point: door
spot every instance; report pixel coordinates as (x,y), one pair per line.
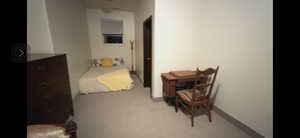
(147,51)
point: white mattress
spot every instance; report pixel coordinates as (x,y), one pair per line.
(88,82)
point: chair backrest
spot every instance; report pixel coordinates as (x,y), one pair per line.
(207,79)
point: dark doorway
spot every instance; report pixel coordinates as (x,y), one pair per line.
(147,51)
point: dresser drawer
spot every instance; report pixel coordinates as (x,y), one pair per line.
(42,87)
(49,89)
(48,68)
(58,65)
(39,66)
(55,108)
(52,115)
(38,71)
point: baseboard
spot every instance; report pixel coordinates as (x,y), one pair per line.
(76,97)
(138,76)
(237,123)
(156,99)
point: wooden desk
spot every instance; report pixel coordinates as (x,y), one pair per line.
(169,85)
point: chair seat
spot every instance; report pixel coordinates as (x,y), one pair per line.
(186,95)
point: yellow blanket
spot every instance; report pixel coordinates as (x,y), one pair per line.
(117,80)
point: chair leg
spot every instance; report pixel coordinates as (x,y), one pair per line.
(176,103)
(209,116)
(192,119)
(192,116)
(208,111)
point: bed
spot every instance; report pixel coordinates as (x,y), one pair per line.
(88,83)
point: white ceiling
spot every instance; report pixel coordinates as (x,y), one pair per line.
(127,5)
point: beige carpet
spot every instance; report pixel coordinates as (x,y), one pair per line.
(132,114)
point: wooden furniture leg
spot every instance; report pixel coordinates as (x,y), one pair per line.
(209,116)
(208,111)
(176,103)
(192,115)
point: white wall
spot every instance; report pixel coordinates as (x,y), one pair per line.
(98,48)
(127,5)
(68,25)
(111,26)
(145,9)
(38,33)
(234,34)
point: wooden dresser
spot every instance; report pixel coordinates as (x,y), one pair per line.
(49,99)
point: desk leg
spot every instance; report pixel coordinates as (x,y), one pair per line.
(170,100)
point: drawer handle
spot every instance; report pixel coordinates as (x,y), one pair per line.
(47,97)
(41,68)
(44,85)
(50,110)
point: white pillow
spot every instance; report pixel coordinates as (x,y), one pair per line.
(96,62)
(116,61)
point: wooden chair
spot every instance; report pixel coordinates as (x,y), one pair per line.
(199,95)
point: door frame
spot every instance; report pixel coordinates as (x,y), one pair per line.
(145,23)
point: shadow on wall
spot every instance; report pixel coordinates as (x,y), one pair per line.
(214,95)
